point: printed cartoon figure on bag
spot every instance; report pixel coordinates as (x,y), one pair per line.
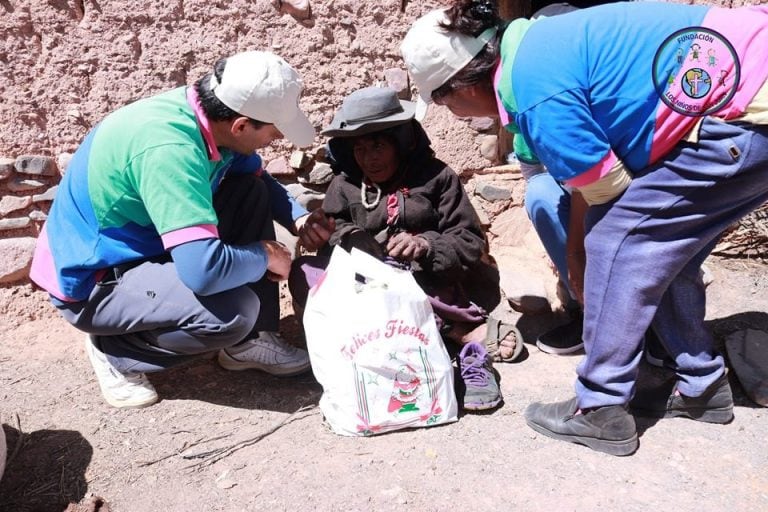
(405,392)
(413,394)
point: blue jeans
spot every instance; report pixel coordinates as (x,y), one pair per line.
(644,251)
(548,205)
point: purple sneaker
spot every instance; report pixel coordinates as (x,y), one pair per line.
(481,389)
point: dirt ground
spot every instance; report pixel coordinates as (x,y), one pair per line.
(66,444)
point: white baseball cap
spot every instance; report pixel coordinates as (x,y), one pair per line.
(262,86)
(433,55)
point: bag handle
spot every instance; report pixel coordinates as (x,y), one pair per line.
(370,267)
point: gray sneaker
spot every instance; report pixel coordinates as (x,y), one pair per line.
(481,389)
(122,390)
(267,352)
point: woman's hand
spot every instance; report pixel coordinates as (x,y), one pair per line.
(315,229)
(407,247)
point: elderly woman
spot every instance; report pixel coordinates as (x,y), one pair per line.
(395,200)
(664,151)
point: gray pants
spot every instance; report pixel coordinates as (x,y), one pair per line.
(643,256)
(147,320)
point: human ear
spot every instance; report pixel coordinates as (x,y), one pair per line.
(238,125)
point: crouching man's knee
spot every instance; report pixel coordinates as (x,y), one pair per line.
(228,319)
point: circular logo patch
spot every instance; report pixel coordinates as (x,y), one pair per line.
(696,71)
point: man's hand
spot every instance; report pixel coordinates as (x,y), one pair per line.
(278,260)
(407,247)
(315,229)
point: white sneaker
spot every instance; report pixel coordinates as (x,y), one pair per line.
(267,352)
(124,391)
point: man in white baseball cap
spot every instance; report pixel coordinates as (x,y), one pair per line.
(263,87)
(160,244)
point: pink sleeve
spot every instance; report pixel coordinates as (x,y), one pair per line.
(599,170)
(189,234)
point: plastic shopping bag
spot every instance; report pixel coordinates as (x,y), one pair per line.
(376,350)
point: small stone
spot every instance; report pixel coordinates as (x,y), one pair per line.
(299,159)
(321,174)
(62,161)
(279,168)
(491,192)
(482,124)
(7,166)
(48,195)
(319,155)
(15,258)
(526,294)
(37,216)
(298,9)
(9,204)
(24,185)
(396,494)
(397,80)
(224,481)
(489,147)
(36,165)
(225,484)
(15,223)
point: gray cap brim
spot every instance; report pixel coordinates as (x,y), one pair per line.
(338,128)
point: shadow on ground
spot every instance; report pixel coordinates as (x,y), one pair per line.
(206,381)
(45,472)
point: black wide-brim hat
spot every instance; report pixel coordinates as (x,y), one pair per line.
(369,110)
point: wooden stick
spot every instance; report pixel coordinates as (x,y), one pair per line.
(213,456)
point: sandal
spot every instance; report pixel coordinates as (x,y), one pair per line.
(497,332)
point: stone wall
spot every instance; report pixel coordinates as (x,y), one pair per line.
(28,184)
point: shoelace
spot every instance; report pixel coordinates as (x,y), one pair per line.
(137,379)
(473,371)
(278,345)
(272,341)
